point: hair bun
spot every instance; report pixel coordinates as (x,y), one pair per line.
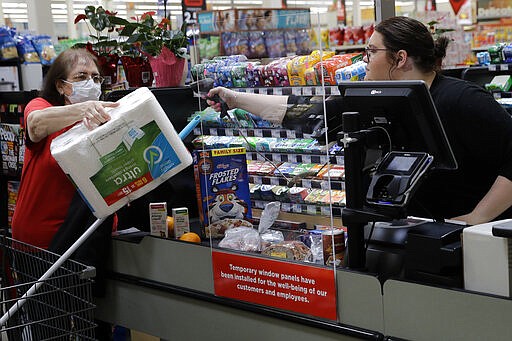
(440,45)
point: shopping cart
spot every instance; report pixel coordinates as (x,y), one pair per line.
(44,296)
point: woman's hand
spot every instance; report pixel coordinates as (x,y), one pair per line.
(228,96)
(44,122)
(93,113)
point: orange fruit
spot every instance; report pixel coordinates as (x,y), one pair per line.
(170,226)
(191,237)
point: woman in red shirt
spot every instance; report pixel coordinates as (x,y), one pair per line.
(49,211)
(70,95)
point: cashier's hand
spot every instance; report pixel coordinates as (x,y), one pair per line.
(93,113)
(228,96)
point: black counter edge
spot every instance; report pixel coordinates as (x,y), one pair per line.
(283,315)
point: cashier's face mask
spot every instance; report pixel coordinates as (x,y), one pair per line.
(85,90)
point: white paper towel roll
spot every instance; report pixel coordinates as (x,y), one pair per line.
(125,158)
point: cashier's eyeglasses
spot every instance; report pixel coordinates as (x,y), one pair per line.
(369,51)
(82,76)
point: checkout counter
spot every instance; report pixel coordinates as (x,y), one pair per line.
(165,288)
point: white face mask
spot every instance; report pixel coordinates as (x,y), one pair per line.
(85,90)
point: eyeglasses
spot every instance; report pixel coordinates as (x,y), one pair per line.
(84,76)
(371,50)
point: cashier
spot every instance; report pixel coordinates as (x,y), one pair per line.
(478,128)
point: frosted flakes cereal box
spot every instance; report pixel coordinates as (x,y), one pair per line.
(222,188)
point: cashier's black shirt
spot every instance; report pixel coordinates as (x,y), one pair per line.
(480,134)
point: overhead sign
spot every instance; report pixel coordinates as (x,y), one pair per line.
(284,285)
(456,5)
(190,9)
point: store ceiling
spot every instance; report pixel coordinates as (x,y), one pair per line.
(16,10)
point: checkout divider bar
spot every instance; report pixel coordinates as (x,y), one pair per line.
(254,308)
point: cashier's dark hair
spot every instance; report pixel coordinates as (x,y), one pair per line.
(411,35)
(60,69)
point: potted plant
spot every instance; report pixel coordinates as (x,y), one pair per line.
(166,49)
(100,43)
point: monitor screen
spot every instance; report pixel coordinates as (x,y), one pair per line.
(401,163)
(405,110)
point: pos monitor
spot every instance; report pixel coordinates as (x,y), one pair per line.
(383,116)
(406,111)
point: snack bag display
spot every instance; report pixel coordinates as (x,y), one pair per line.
(7,44)
(257,48)
(329,66)
(44,48)
(222,189)
(274,41)
(302,42)
(296,69)
(27,50)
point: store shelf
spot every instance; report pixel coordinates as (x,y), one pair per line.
(309,209)
(499,67)
(348,47)
(256,132)
(308,183)
(311,90)
(303,158)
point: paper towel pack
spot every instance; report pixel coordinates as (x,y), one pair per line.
(126,157)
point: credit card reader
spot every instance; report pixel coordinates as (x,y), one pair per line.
(396,178)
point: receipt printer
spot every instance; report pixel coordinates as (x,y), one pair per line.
(434,254)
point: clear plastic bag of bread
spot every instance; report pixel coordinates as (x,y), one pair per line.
(249,239)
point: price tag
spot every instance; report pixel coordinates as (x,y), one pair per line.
(311,209)
(286,206)
(306,158)
(249,90)
(307,91)
(197,131)
(306,183)
(229,132)
(257,180)
(297,91)
(325,210)
(274,181)
(278,91)
(258,132)
(504,67)
(340,160)
(319,90)
(297,208)
(492,67)
(291,134)
(260,204)
(276,157)
(213,131)
(263,91)
(243,132)
(335,90)
(292,158)
(275,133)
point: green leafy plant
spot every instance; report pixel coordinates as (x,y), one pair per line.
(436,31)
(100,20)
(150,36)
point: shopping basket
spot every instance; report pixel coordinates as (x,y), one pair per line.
(44,296)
